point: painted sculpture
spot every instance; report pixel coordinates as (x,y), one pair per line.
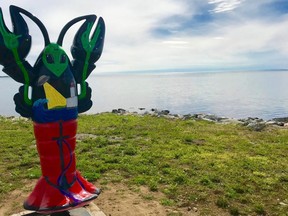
(53,103)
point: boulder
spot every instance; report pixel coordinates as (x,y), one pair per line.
(256,126)
(119,111)
(283,119)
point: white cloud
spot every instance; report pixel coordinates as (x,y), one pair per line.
(225,5)
(130,44)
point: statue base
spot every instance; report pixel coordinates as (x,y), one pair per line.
(90,210)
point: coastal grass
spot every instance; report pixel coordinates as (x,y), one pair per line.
(194,163)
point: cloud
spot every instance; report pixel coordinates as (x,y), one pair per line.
(224,5)
(158,34)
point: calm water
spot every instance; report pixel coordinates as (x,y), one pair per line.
(237,94)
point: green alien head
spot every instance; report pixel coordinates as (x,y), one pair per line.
(55,59)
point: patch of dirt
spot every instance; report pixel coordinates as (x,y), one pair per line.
(85,136)
(119,200)
(13,203)
(115,200)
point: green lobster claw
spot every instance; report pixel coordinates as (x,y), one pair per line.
(86,51)
(14,46)
(86,48)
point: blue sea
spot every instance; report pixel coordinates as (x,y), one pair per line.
(262,94)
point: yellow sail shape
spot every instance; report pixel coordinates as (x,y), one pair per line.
(55,99)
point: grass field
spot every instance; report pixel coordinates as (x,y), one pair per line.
(225,166)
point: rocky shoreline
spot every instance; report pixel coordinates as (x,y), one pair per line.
(254,123)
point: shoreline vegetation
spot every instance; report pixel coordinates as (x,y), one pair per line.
(201,164)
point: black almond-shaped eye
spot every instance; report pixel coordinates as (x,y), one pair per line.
(63,58)
(49,59)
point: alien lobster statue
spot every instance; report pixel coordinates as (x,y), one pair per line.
(54,104)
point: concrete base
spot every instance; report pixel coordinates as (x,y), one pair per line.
(90,210)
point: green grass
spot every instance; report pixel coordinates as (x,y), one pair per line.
(201,163)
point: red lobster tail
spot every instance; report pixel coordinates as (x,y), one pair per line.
(61,187)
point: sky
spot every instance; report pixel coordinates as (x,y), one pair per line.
(171,35)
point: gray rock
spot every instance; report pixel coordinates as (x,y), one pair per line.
(187,117)
(254,123)
(178,116)
(214,118)
(271,122)
(119,111)
(231,121)
(164,112)
(283,119)
(114,111)
(256,126)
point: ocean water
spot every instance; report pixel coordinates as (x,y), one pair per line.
(262,94)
